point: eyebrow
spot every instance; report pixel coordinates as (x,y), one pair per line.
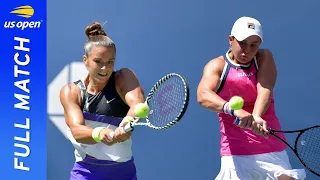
(112,59)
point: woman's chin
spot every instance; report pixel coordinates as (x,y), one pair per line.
(244,59)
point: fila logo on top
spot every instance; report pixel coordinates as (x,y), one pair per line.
(242,74)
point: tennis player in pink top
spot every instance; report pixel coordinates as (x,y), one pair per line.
(247,152)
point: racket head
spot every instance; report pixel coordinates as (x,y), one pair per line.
(307,147)
(168,101)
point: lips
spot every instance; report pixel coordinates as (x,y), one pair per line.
(102,74)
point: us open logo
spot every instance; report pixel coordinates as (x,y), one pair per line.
(25,12)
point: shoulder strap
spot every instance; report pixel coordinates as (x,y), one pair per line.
(83,92)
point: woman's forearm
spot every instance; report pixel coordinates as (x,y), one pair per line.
(262,102)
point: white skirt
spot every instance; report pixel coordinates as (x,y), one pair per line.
(267,166)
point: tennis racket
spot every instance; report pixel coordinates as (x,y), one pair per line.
(167,100)
(306,146)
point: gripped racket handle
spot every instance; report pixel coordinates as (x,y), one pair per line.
(127,128)
(237,121)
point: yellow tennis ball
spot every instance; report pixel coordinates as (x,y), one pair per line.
(236,102)
(141,110)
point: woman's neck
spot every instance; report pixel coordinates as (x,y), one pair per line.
(93,87)
(232,58)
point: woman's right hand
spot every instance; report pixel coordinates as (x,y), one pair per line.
(259,126)
(105,137)
(245,118)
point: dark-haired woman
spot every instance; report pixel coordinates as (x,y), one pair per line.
(101,103)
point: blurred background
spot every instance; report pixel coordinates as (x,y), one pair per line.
(154,38)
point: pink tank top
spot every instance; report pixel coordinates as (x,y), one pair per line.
(241,80)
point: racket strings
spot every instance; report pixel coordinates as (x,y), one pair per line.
(308,148)
(167,102)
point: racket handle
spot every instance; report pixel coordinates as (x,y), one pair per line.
(127,128)
(236,121)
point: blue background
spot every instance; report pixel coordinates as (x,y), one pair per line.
(158,37)
(37,67)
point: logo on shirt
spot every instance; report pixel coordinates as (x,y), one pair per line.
(242,74)
(109,101)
